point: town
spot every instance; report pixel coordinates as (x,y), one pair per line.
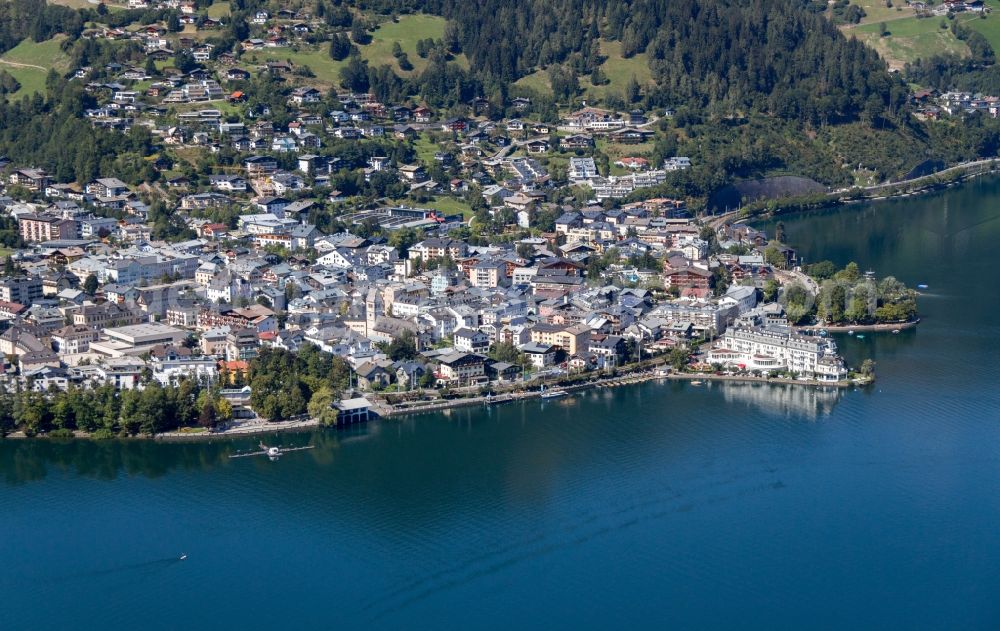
(434,252)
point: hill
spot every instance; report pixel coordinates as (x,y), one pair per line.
(29,62)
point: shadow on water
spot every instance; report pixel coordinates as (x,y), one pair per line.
(31,460)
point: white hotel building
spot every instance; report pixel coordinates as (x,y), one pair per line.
(779,348)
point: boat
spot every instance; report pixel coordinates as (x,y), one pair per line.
(662,372)
(895,331)
(553,394)
(182,557)
(860,336)
(851,332)
(921,286)
(696,382)
(823,332)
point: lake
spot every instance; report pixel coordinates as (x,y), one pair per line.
(661,504)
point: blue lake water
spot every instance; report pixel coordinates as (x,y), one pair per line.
(721,506)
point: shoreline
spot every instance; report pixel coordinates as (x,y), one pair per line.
(386,411)
(922,185)
(861,328)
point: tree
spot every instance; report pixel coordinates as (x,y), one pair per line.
(505,352)
(359,33)
(632,93)
(354,76)
(90,285)
(340,47)
(679,357)
(403,347)
(208,417)
(452,37)
(771,290)
(597,76)
(868,368)
(321,406)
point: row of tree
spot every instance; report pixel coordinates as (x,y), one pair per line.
(106,412)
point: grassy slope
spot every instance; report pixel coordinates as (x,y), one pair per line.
(219,8)
(989,27)
(616,68)
(45,54)
(407,31)
(910,38)
(327,70)
(876,11)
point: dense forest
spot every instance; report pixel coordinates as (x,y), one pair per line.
(729,56)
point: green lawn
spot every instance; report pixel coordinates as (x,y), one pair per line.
(445,204)
(73,4)
(327,70)
(451,206)
(616,151)
(425,149)
(407,31)
(990,26)
(876,11)
(537,81)
(38,58)
(910,38)
(219,9)
(619,71)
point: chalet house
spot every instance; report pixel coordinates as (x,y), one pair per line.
(31,179)
(454,124)
(687,276)
(107,187)
(577,141)
(422,115)
(630,136)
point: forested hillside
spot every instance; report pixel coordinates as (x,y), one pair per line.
(759,87)
(729,56)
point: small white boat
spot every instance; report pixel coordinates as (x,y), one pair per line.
(921,286)
(696,382)
(860,336)
(851,332)
(553,394)
(182,557)
(895,331)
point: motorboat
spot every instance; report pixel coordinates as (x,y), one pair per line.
(553,394)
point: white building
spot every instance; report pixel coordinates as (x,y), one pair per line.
(779,348)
